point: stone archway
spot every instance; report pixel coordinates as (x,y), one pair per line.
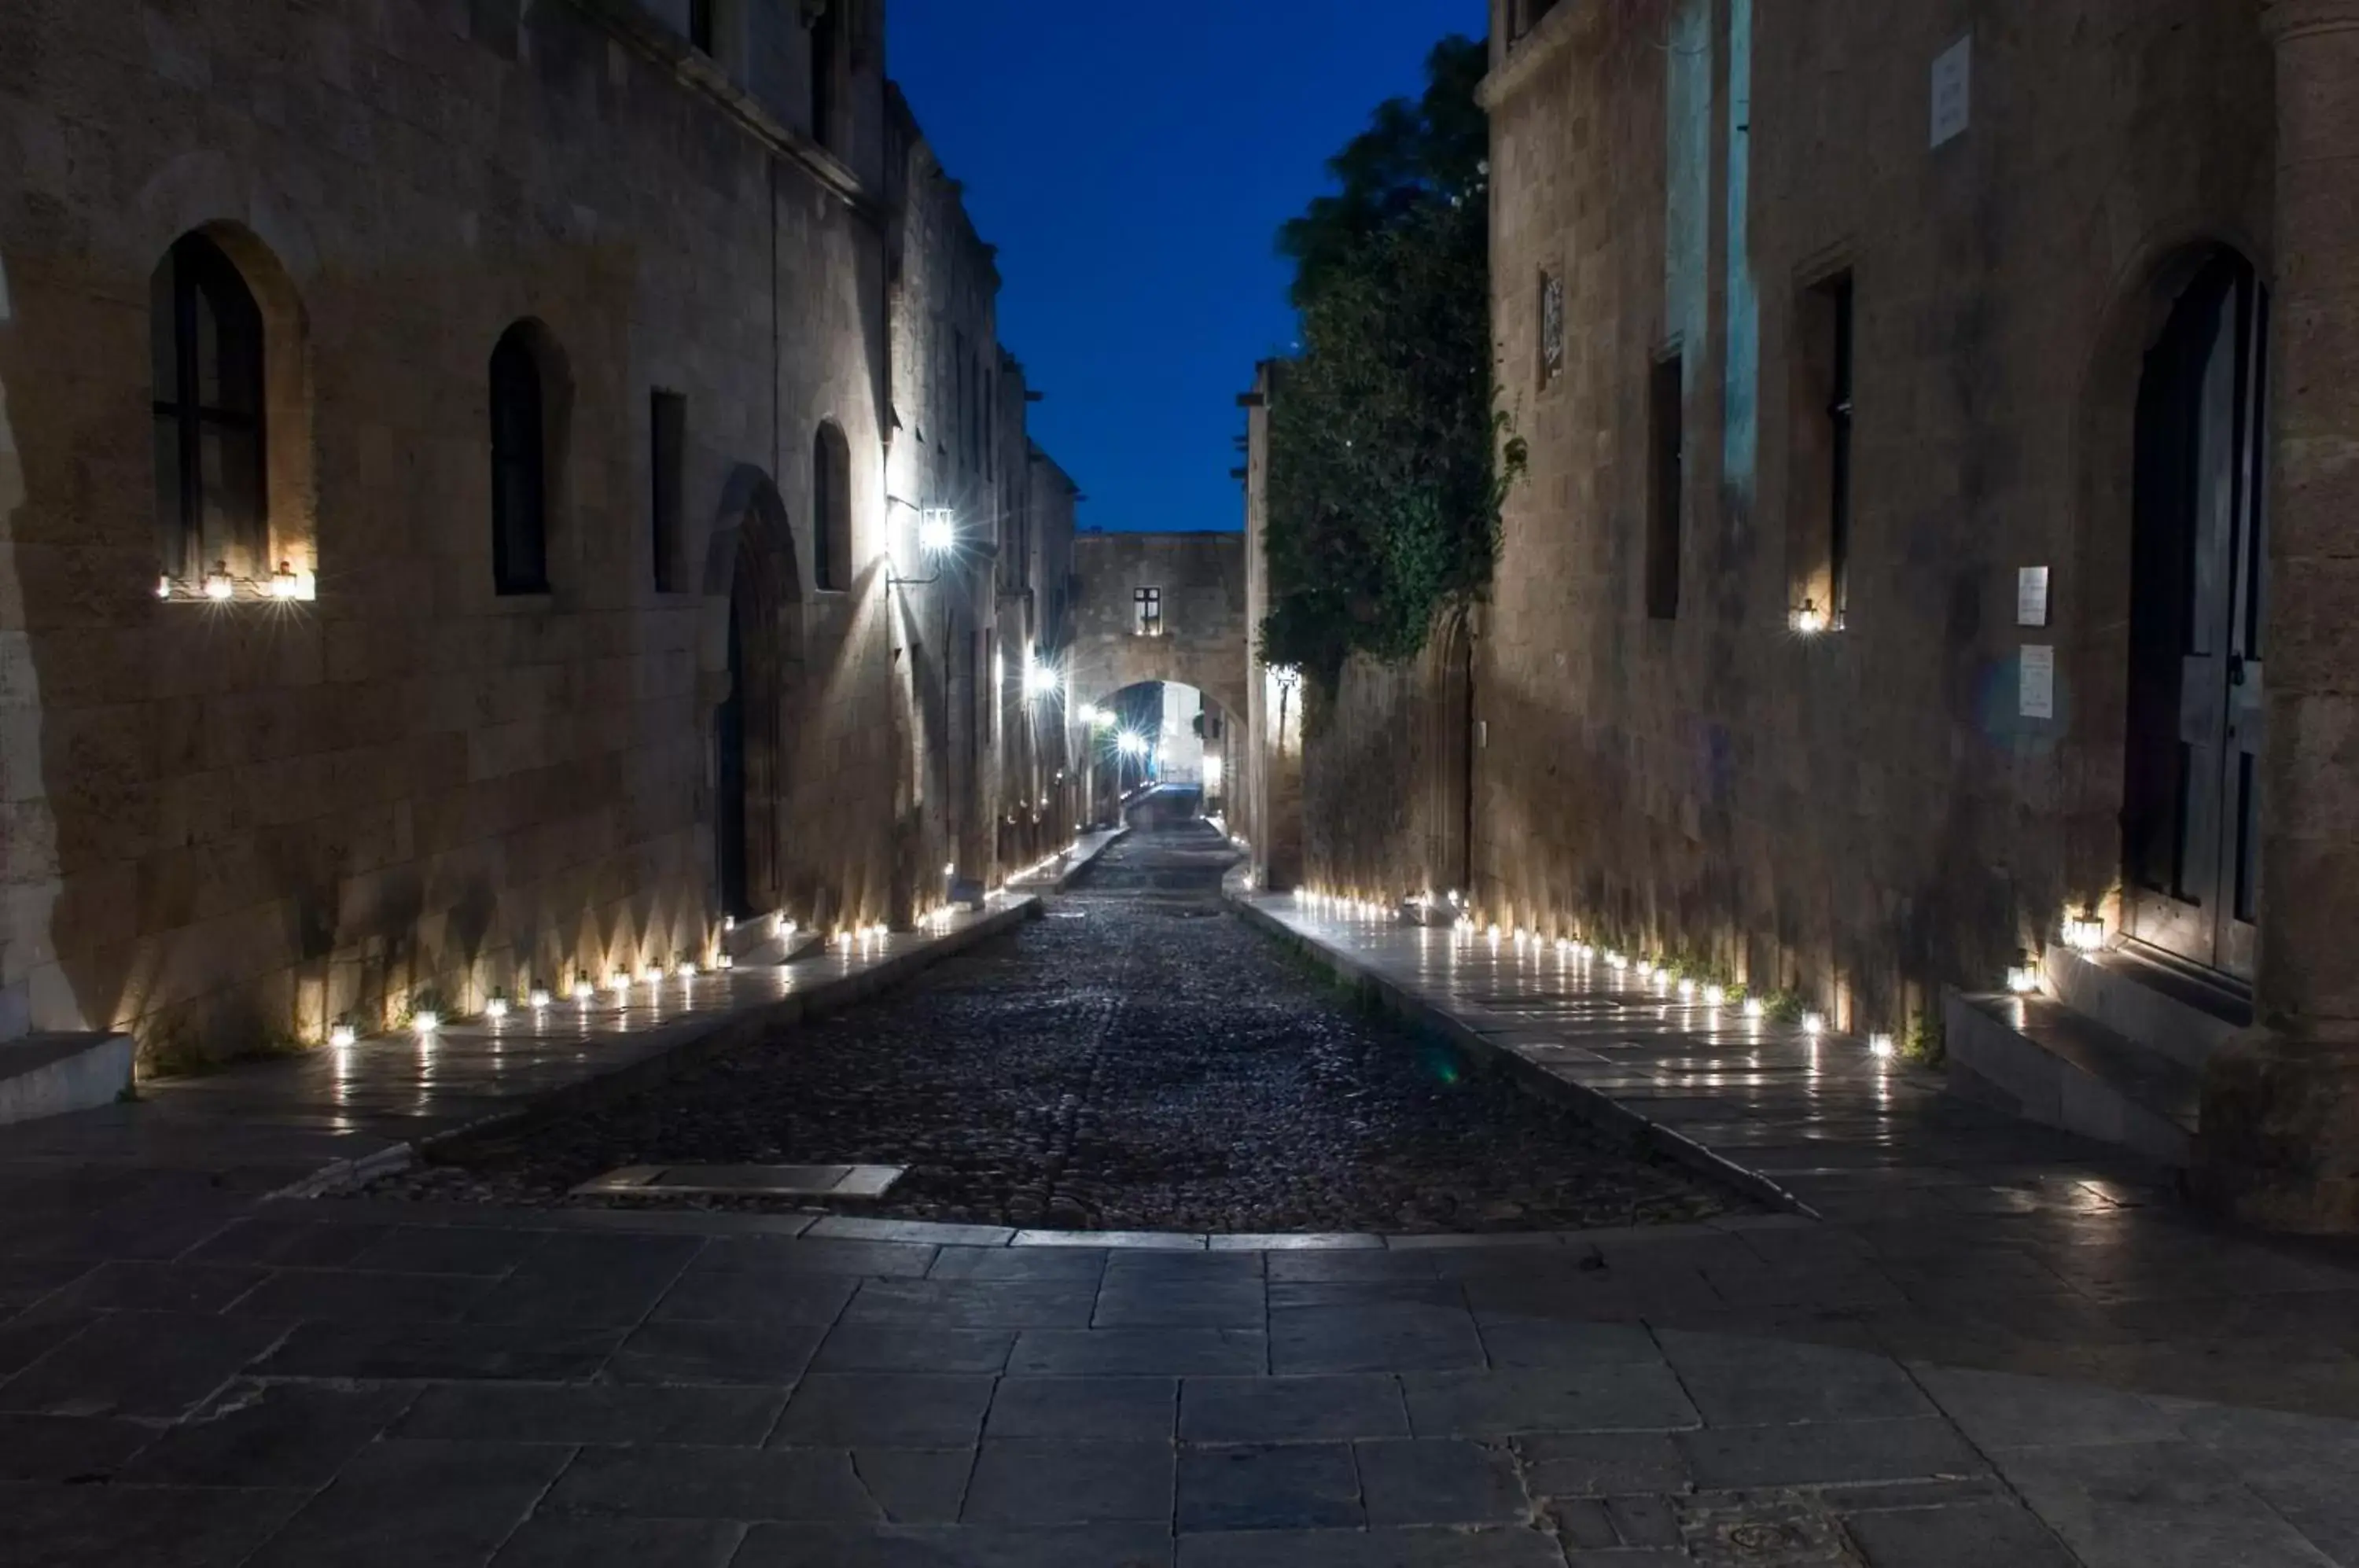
(1199,636)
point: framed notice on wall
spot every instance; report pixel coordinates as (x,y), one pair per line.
(2039,682)
(2031,596)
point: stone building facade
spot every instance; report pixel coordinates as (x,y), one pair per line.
(1044,784)
(1943,425)
(1159,606)
(448,538)
(1151,607)
(1940,417)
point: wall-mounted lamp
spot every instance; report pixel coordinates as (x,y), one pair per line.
(937,538)
(1040,679)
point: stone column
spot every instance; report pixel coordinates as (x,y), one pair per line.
(2279,1143)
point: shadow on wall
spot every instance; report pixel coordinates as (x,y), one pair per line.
(27,891)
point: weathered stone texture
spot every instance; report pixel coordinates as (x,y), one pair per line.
(1858,816)
(231,823)
(1203,641)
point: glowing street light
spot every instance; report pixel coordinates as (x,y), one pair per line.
(937,530)
(1040,679)
(1131,743)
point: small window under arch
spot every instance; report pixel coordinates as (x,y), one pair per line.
(205,337)
(831,509)
(519,465)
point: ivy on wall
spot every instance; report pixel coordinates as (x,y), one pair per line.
(1386,457)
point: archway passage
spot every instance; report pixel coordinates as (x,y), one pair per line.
(1154,607)
(2190,805)
(1161,733)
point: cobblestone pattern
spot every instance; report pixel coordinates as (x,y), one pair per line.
(1137,1060)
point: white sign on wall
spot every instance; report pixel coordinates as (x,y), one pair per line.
(2039,693)
(1953,73)
(2031,596)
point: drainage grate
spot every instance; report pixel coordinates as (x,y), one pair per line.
(743,1182)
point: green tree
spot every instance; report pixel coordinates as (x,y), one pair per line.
(1386,466)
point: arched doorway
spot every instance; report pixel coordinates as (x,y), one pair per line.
(749,584)
(2190,813)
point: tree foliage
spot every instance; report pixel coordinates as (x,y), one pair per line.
(1385,464)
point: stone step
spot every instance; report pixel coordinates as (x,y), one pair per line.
(2062,1069)
(49,1074)
(2148,1003)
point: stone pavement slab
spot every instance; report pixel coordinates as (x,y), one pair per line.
(1295,1486)
(1968,1535)
(2062,1380)
(1132,1410)
(559,1540)
(1291,1409)
(1076,1546)
(1039,1481)
(158,1527)
(1443,1481)
(1383,1548)
(815,1485)
(406,1502)
(756,1438)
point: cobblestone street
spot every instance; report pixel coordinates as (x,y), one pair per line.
(1137,1060)
(1994,1351)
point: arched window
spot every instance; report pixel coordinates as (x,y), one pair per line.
(205,337)
(831,509)
(519,466)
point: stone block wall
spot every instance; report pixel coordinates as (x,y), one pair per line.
(1865,814)
(950,452)
(1203,642)
(1385,774)
(224,824)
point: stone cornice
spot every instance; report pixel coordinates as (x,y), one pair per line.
(641,33)
(1528,54)
(2284,20)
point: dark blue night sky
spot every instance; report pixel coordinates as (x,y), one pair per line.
(1132,162)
